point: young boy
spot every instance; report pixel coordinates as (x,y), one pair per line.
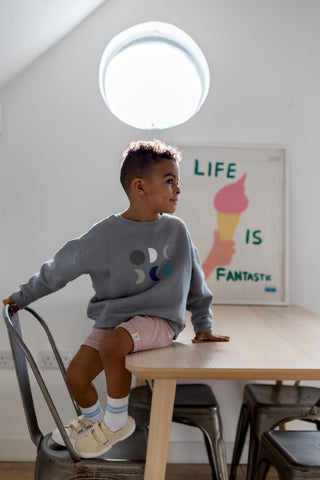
(145,272)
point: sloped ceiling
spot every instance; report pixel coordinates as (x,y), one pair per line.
(29,27)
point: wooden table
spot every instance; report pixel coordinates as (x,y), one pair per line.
(267,343)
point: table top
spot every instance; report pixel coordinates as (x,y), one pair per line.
(267,343)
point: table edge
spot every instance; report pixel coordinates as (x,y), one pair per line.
(225,374)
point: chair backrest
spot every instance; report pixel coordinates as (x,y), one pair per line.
(22,356)
(315,410)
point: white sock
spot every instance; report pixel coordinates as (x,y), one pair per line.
(116,414)
(94,413)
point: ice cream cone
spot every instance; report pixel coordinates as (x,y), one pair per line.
(229,202)
(227,224)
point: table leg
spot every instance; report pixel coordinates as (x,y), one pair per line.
(159,429)
(282,426)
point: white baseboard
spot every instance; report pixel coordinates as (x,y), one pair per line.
(23,450)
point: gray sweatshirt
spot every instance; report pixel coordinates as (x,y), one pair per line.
(136,268)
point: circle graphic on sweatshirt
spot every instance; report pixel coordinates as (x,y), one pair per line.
(137,257)
(168,269)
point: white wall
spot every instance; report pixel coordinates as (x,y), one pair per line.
(60,151)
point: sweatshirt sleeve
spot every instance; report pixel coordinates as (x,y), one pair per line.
(65,266)
(200,298)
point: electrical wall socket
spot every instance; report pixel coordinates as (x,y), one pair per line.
(47,360)
(6,360)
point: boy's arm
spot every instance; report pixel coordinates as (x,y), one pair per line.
(53,275)
(199,303)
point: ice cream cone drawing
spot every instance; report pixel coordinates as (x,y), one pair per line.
(229,202)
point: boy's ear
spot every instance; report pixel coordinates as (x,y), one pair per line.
(138,186)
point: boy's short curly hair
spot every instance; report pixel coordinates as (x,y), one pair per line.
(141,156)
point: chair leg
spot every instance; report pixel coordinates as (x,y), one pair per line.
(211,428)
(253,455)
(242,429)
(260,423)
(262,470)
(210,457)
(217,456)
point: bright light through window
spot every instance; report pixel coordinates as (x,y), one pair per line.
(153,76)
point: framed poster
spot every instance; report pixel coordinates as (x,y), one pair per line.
(235,206)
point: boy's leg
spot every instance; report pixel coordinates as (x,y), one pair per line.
(117,426)
(83,369)
(114,347)
(138,333)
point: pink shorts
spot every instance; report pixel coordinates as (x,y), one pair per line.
(146,332)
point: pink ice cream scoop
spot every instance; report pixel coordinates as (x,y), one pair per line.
(230,201)
(232,198)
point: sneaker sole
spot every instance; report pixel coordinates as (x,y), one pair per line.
(107,448)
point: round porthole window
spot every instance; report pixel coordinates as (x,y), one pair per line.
(153,76)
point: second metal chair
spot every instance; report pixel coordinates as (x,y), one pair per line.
(196,405)
(265,407)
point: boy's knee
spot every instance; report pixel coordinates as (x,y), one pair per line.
(74,378)
(116,343)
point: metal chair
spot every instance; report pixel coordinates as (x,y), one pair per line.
(125,461)
(265,407)
(294,454)
(196,405)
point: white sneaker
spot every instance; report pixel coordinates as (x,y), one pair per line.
(73,430)
(99,439)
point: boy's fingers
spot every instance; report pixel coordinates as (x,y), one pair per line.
(210,337)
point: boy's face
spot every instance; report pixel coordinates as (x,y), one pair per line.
(162,187)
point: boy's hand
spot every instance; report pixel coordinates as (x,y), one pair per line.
(210,337)
(10,301)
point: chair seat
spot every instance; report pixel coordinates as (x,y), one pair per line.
(126,460)
(294,454)
(299,448)
(275,397)
(196,395)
